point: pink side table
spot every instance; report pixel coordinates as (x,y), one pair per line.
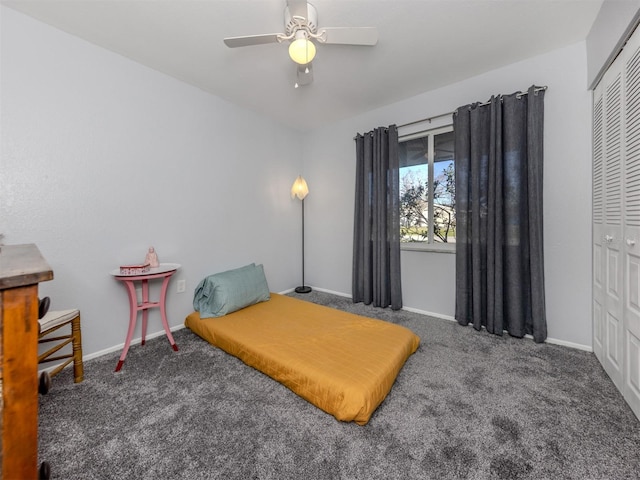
(164,271)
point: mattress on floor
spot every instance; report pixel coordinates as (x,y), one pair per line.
(343,363)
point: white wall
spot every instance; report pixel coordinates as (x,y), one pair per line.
(428,278)
(102,157)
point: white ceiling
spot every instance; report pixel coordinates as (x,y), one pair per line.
(423,45)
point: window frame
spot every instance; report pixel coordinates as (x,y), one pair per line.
(430,245)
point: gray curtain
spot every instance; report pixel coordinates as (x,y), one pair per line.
(376,233)
(499,250)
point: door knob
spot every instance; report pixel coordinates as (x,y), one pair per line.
(608,238)
(631,242)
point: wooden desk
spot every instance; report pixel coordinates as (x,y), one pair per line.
(22,267)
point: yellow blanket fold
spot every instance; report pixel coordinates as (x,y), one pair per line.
(343,363)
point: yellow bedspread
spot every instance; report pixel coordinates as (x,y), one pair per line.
(344,364)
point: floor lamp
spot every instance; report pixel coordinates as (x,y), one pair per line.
(301,190)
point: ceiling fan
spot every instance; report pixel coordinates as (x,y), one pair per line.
(301,27)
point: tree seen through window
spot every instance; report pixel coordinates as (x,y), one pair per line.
(427,188)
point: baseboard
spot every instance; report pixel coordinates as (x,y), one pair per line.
(332,292)
(553,341)
(324,290)
(115,348)
(564,343)
(135,341)
(430,314)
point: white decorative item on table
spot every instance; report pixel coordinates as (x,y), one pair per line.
(152,258)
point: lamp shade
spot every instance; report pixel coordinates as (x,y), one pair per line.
(299,188)
(302,50)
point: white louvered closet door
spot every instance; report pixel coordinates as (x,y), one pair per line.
(616,222)
(631,135)
(608,274)
(598,223)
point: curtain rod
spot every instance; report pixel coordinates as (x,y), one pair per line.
(519,95)
(428,119)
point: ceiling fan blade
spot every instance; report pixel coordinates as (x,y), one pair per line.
(350,35)
(298,8)
(305,74)
(233,42)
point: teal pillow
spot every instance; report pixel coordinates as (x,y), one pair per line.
(232,290)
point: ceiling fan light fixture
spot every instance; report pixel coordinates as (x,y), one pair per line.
(302,36)
(302,50)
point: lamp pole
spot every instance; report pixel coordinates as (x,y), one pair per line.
(303,288)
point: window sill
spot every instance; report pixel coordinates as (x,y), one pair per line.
(421,247)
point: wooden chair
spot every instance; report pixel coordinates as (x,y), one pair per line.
(53,321)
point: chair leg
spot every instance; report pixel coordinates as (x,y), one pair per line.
(78,368)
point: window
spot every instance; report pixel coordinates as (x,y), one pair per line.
(427,190)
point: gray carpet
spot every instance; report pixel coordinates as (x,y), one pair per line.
(467,405)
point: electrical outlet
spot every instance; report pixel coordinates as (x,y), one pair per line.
(181,286)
